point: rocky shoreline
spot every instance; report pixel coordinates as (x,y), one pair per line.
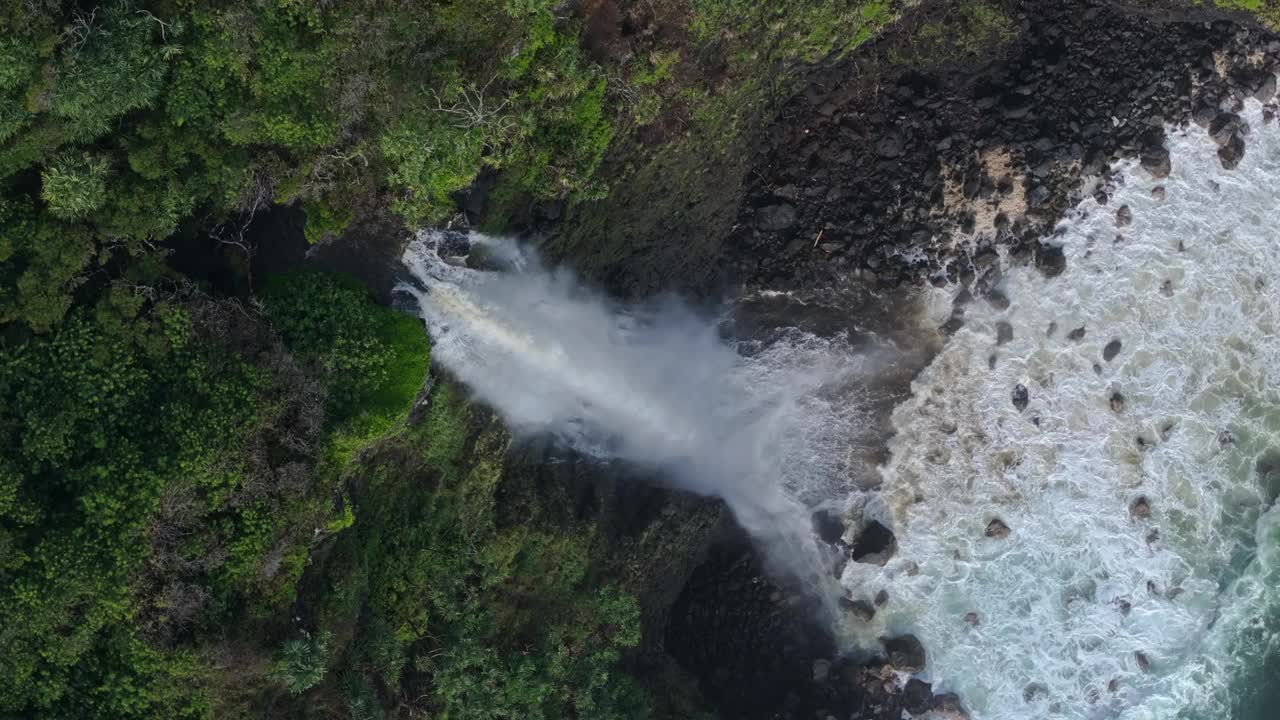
(901,174)
(882,174)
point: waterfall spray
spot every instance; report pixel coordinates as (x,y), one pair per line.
(653,384)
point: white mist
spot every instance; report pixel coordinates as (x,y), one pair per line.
(652,384)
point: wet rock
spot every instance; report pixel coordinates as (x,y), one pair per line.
(882,597)
(972,619)
(1021,397)
(917,697)
(874,545)
(948,707)
(1267,89)
(1124,216)
(997,529)
(1157,162)
(1159,193)
(1223,127)
(1117,402)
(998,300)
(776,217)
(1124,606)
(860,609)
(827,526)
(1051,260)
(1232,153)
(1140,508)
(1112,349)
(1053,328)
(1144,662)
(1004,332)
(906,653)
(1153,536)
(1077,334)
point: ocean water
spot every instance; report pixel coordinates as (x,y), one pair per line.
(1091,608)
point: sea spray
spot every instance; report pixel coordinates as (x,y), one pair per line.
(765,426)
(1139,578)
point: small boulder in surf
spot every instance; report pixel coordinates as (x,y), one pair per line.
(1021,398)
(906,653)
(997,529)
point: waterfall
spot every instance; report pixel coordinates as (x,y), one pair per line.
(759,425)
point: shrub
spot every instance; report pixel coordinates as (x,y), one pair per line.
(303,662)
(75,185)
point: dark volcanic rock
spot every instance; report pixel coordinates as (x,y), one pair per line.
(1157,162)
(827,526)
(1021,398)
(1112,349)
(1232,153)
(1051,260)
(875,545)
(918,148)
(776,217)
(890,146)
(917,697)
(1140,508)
(1223,127)
(1117,402)
(1004,332)
(906,653)
(997,529)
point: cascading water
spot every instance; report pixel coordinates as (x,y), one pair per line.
(1140,578)
(653,384)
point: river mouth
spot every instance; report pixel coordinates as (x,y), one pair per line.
(1109,424)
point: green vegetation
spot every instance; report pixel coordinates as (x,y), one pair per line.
(432,590)
(1266,10)
(302,662)
(969,31)
(122,121)
(218,507)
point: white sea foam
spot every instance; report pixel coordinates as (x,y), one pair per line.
(1192,291)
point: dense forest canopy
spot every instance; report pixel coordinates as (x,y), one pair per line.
(211,504)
